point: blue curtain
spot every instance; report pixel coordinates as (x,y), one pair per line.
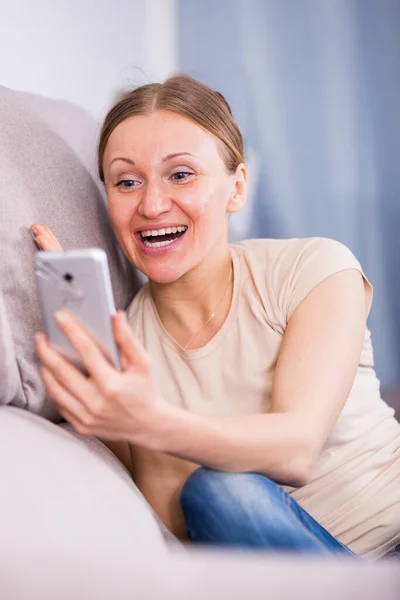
(315,87)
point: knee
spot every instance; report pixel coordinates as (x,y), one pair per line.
(206,502)
(202,488)
(220,492)
(227,508)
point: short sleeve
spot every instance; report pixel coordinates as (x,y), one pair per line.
(318,259)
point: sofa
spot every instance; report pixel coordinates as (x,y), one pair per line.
(72,522)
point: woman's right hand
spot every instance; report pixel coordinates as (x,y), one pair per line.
(45,238)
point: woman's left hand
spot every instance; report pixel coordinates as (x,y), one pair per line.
(106,403)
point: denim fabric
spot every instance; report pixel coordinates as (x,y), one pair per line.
(251,511)
(394,554)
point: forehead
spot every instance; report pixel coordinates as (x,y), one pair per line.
(162,132)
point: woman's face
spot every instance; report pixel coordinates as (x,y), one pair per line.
(169,193)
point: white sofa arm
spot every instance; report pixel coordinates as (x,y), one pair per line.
(66,513)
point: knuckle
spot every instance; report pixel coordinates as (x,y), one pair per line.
(51,359)
(89,421)
(112,388)
(82,339)
(81,428)
(86,424)
(97,408)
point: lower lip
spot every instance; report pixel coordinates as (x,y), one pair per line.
(158,250)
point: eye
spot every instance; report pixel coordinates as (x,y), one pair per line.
(181,176)
(127,184)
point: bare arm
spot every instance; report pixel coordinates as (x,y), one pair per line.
(316,368)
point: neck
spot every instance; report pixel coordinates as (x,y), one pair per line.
(184,306)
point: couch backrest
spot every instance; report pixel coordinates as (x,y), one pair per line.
(47,159)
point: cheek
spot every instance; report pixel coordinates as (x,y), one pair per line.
(120,212)
(204,203)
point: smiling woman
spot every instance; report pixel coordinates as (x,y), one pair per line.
(251,360)
(185,176)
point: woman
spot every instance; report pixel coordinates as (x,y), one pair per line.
(251,360)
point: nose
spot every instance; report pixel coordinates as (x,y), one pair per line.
(154,201)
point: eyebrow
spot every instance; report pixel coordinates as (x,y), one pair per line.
(128,160)
(165,159)
(175,154)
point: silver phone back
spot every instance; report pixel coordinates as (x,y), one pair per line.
(79,281)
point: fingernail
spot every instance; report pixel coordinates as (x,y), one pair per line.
(39,337)
(34,230)
(60,317)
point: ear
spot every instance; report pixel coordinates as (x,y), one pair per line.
(239,193)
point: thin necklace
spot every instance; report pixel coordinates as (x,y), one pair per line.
(190,342)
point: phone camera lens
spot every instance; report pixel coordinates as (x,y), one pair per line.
(68,277)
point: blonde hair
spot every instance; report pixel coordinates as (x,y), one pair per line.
(184,96)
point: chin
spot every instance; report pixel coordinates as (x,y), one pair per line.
(160,266)
(162,273)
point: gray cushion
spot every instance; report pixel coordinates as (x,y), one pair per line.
(9,376)
(47,158)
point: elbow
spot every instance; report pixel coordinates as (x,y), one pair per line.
(301,469)
(295,471)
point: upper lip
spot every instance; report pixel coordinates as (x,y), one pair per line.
(157,226)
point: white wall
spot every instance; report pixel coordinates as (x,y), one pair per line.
(84,51)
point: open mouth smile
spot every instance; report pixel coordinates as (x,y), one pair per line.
(157,239)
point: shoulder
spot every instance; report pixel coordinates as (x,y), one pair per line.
(293,267)
(287,252)
(287,255)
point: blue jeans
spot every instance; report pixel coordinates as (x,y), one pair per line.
(247,510)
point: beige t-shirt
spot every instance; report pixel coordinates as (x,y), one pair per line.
(354,491)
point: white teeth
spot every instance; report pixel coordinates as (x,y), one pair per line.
(158,244)
(167,230)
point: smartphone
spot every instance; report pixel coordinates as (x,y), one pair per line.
(79,281)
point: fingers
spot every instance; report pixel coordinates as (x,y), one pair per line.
(92,358)
(69,406)
(132,352)
(68,376)
(45,238)
(81,416)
